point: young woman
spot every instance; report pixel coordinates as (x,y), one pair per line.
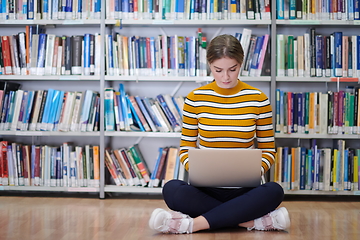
(226,113)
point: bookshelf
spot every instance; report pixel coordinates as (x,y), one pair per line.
(79,83)
(326,22)
(145,85)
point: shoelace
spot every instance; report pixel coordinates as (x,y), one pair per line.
(267,222)
(175,221)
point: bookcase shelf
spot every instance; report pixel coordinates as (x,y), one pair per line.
(48,133)
(318,22)
(46,189)
(50,78)
(124,189)
(314,192)
(317,79)
(144,134)
(50,22)
(179,78)
(197,23)
(317,136)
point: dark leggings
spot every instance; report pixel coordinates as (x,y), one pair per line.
(223,207)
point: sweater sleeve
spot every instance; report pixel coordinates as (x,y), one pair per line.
(265,133)
(189,130)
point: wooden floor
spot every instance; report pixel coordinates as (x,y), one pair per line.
(120,218)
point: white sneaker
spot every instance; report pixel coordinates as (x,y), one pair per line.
(170,221)
(276,220)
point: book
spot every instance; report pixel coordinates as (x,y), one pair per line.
(124,106)
(48,105)
(109,110)
(172,107)
(170,116)
(118,179)
(138,113)
(87,104)
(94,113)
(117,112)
(171,161)
(146,114)
(136,124)
(280,55)
(149,107)
(156,167)
(124,167)
(75,120)
(124,154)
(165,123)
(139,177)
(76,54)
(44,99)
(140,162)
(160,171)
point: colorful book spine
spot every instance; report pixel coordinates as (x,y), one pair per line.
(109,110)
(175,125)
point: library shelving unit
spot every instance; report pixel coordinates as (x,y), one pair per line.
(58,82)
(325,23)
(150,86)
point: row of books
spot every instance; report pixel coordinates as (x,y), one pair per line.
(125,112)
(318,9)
(128,168)
(178,55)
(137,9)
(324,169)
(49,166)
(318,113)
(190,10)
(34,52)
(317,55)
(156,56)
(49,110)
(50,9)
(256,54)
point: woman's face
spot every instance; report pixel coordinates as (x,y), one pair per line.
(225,71)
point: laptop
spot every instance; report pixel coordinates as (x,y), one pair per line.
(225,167)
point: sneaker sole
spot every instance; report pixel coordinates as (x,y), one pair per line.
(287,217)
(153,217)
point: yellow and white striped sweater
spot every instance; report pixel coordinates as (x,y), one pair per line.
(228,118)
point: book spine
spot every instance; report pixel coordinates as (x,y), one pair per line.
(109,110)
(85,111)
(319,49)
(338,54)
(22,53)
(40,67)
(145,114)
(87,55)
(175,125)
(67,56)
(76,55)
(92,55)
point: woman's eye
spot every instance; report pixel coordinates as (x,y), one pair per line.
(218,70)
(233,70)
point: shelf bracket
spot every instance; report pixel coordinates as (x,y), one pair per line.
(162,31)
(217,32)
(138,140)
(177,88)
